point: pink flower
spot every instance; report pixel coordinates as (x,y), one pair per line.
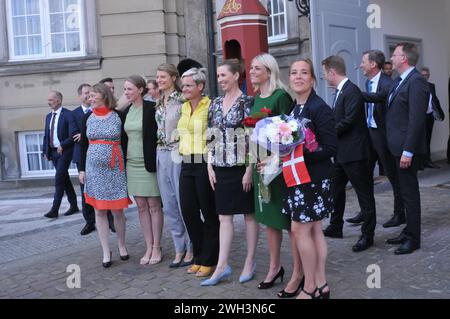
(285,129)
(310,140)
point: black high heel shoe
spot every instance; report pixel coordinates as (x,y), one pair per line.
(126,257)
(109,263)
(284,294)
(313,294)
(267,285)
(324,295)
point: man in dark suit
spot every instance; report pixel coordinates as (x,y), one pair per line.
(58,148)
(405,124)
(433,103)
(378,87)
(351,162)
(78,114)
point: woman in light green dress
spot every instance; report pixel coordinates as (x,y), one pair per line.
(140,153)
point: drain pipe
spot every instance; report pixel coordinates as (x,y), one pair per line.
(211,50)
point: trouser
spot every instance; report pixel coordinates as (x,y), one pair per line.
(430,125)
(62,180)
(199,212)
(168,173)
(358,174)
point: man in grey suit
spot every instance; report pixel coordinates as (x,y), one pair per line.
(405,127)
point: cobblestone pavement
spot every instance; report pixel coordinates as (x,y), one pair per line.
(35,254)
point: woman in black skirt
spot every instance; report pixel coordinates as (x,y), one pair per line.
(228,174)
(309,204)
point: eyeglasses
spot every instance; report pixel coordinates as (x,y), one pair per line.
(394,55)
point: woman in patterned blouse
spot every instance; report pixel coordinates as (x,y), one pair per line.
(229,176)
(168,111)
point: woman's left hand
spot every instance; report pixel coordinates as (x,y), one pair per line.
(247,181)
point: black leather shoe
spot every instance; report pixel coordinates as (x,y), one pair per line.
(124,258)
(400,239)
(358,219)
(283,294)
(71,211)
(333,232)
(52,214)
(108,263)
(363,243)
(87,229)
(407,248)
(266,285)
(395,221)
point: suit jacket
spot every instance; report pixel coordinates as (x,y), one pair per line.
(319,164)
(379,99)
(78,115)
(149,135)
(406,116)
(435,101)
(64,131)
(351,126)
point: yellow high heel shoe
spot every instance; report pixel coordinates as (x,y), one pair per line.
(204,271)
(193,269)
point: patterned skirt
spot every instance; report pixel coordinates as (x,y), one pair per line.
(309,202)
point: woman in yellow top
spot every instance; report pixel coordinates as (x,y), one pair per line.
(196,194)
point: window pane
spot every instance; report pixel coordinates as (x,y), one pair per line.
(72,21)
(276,22)
(282,25)
(71,5)
(34,25)
(281,3)
(32,6)
(269,6)
(32,143)
(20,46)
(33,162)
(46,165)
(56,23)
(73,42)
(56,6)
(18,7)
(275,7)
(35,45)
(19,26)
(58,43)
(270,27)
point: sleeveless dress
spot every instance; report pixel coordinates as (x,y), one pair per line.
(106,181)
(280,102)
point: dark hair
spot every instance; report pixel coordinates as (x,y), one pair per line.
(411,52)
(387,63)
(139,82)
(110,101)
(153,82)
(233,65)
(81,87)
(106,80)
(376,56)
(311,67)
(187,64)
(336,63)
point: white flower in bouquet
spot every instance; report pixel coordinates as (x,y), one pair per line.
(293,125)
(286,140)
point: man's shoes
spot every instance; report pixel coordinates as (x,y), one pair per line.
(407,247)
(395,221)
(71,211)
(87,229)
(52,214)
(333,232)
(363,243)
(397,240)
(358,219)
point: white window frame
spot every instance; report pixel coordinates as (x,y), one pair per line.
(282,36)
(45,35)
(26,172)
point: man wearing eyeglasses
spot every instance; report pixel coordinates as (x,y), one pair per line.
(405,124)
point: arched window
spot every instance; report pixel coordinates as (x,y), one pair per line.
(277,21)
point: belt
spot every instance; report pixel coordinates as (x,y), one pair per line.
(115,151)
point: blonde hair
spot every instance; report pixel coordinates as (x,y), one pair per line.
(172,71)
(269,62)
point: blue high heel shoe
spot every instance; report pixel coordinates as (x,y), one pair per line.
(212,282)
(250,276)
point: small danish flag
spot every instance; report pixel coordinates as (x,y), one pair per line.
(294,168)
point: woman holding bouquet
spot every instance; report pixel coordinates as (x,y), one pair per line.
(308,204)
(229,176)
(265,77)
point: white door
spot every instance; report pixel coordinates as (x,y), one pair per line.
(339,27)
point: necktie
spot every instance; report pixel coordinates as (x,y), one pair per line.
(370,106)
(396,85)
(52,128)
(335,98)
(88,110)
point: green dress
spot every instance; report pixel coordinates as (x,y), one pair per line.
(280,102)
(140,182)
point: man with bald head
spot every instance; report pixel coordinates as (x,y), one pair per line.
(58,148)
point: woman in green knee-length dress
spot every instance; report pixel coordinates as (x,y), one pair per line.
(265,77)
(140,128)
